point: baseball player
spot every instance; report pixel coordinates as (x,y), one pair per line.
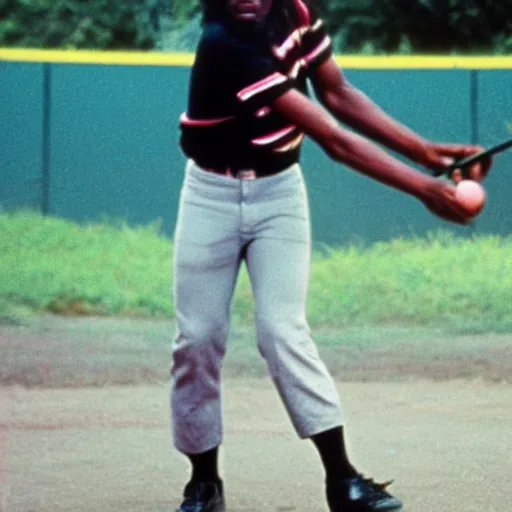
(244,200)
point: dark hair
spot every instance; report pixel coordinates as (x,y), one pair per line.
(216,9)
(213,9)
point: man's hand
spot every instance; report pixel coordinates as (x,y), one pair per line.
(438,157)
(439,198)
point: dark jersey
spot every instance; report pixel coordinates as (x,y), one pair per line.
(236,77)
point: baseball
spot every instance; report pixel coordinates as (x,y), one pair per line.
(471,196)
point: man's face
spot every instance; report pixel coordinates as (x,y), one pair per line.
(249,10)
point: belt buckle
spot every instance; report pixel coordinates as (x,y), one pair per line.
(246,174)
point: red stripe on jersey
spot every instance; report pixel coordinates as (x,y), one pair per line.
(262,112)
(318,50)
(318,24)
(289,43)
(184,119)
(290,145)
(273,137)
(295,69)
(262,85)
(303,11)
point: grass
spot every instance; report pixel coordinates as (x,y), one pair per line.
(440,279)
(53,265)
(50,264)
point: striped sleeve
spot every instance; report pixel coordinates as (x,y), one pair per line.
(260,83)
(264,91)
(316,45)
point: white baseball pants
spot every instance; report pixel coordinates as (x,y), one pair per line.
(223,221)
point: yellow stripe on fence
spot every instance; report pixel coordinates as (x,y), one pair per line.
(138,58)
(97,57)
(424,62)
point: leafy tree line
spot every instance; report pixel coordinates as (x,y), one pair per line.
(419,26)
(102,24)
(357,26)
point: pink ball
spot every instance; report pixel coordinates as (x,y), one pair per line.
(471,196)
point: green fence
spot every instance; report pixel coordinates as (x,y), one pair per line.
(91,140)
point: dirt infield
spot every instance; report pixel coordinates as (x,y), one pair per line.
(446,444)
(82,352)
(94,445)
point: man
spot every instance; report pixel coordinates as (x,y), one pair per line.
(244,200)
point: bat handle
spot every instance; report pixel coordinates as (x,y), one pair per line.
(466,161)
(461,164)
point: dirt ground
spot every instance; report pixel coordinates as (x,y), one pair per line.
(445,440)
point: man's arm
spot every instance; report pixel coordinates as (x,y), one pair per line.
(352,107)
(367,158)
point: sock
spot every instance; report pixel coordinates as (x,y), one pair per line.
(204,466)
(331,446)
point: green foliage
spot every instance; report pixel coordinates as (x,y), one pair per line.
(419,26)
(49,264)
(98,24)
(185,10)
(357,26)
(398,26)
(437,280)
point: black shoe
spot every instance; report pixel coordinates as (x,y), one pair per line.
(203,497)
(360,494)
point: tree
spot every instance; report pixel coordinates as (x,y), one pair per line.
(78,23)
(357,26)
(419,26)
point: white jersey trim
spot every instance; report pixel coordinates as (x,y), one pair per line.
(267,83)
(275,136)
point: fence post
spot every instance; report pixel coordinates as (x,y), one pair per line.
(473,98)
(46,142)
